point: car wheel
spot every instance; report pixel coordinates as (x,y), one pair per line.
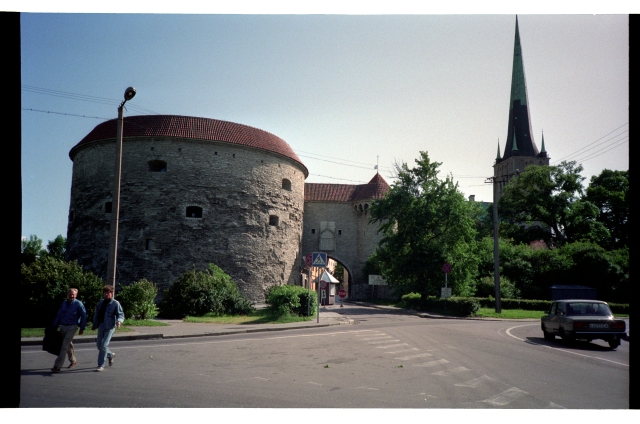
(547,335)
(614,343)
(566,337)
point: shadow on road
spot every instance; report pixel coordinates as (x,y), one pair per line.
(579,345)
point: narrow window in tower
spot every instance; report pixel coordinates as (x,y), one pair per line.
(148,244)
(274,220)
(339,232)
(313,231)
(157,166)
(194,212)
(286,184)
(107,207)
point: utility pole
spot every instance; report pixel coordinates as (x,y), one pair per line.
(115,203)
(496,251)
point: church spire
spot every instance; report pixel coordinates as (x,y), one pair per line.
(498,157)
(519,118)
(543,149)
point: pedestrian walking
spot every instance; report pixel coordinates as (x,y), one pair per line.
(70,314)
(107,318)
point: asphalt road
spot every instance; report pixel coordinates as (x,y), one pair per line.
(384,360)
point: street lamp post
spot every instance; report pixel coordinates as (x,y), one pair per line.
(115,204)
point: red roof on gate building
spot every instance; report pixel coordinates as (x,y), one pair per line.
(374,189)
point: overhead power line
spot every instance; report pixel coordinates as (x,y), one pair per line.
(82,97)
(578,152)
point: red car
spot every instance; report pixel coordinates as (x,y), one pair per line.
(583,320)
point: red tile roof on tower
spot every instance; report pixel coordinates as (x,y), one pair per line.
(374,189)
(194,128)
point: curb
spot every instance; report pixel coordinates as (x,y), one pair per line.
(38,341)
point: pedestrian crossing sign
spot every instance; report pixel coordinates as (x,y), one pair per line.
(319,259)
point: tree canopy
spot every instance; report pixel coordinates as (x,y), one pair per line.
(546,202)
(609,191)
(425,222)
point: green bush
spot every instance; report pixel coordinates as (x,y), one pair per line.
(457,306)
(197,293)
(44,284)
(138,300)
(291,300)
(486,287)
(410,301)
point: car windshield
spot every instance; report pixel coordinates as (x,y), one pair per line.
(588,308)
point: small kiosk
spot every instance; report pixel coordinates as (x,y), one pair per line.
(328,294)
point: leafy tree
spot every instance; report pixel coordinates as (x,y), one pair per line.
(425,222)
(532,271)
(550,197)
(609,191)
(57,247)
(44,284)
(31,249)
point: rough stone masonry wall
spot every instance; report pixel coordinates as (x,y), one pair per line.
(238,189)
(353,247)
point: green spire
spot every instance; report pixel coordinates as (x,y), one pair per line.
(543,149)
(515,146)
(518,83)
(498,157)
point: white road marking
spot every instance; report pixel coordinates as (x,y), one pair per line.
(390,346)
(317,384)
(432,363)
(382,336)
(506,397)
(406,358)
(451,371)
(508,331)
(366,388)
(475,382)
(400,351)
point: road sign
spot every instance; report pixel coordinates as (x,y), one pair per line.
(319,259)
(324,294)
(323,284)
(445,292)
(307,259)
(446,268)
(342,293)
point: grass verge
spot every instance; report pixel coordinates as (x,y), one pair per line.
(263,316)
(509,313)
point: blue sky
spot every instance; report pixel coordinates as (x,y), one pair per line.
(345,91)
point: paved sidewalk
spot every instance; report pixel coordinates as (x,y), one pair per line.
(181,329)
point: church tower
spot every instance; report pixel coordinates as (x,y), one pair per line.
(520,148)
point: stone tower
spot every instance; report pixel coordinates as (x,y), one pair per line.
(194,191)
(520,149)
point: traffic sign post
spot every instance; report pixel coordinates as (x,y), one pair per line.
(445,292)
(342,293)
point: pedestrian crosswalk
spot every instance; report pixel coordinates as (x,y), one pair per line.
(489,392)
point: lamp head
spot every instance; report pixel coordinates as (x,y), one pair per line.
(129,93)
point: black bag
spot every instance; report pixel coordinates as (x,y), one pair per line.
(52,341)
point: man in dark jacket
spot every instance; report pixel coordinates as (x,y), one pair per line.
(70,314)
(108,316)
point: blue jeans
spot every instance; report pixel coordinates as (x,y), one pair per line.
(104,337)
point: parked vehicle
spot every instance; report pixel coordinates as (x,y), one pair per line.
(579,319)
